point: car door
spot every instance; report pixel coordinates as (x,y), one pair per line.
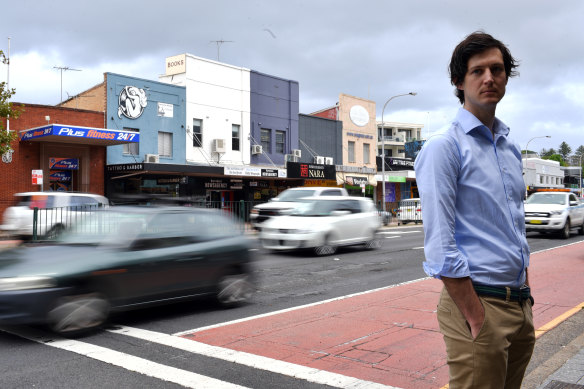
(348,226)
(576,211)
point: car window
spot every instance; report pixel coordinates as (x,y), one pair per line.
(331,192)
(547,198)
(292,195)
(573,198)
(83,200)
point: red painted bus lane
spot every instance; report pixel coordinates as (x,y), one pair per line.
(389,336)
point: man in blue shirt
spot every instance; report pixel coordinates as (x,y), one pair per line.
(471,186)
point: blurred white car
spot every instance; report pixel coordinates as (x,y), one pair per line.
(287,200)
(554,212)
(55,212)
(410,210)
(323,224)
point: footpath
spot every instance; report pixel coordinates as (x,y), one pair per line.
(390,336)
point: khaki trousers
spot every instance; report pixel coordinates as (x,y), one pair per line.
(499,355)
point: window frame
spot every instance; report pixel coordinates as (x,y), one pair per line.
(127,147)
(162,148)
(235,140)
(198,134)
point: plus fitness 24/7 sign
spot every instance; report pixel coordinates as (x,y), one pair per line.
(311,171)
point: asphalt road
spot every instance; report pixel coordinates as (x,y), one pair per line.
(32,357)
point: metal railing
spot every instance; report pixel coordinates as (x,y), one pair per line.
(47,223)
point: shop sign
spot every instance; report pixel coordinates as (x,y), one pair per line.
(80,132)
(396,179)
(37,177)
(215,184)
(126,167)
(60,176)
(131,102)
(330,183)
(171,180)
(359,115)
(63,163)
(270,173)
(401,164)
(165,110)
(176,64)
(359,135)
(242,171)
(311,171)
(358,181)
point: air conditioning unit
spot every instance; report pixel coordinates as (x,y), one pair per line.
(151,158)
(328,160)
(318,159)
(256,149)
(291,158)
(219,145)
(297,153)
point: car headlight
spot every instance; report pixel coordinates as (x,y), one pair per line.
(556,212)
(21,283)
(254,211)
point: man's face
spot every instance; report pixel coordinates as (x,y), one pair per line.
(484,82)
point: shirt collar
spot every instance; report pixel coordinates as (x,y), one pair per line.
(469,122)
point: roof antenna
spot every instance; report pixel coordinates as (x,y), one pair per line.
(219,43)
(61,68)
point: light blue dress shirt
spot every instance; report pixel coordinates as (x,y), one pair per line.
(472,191)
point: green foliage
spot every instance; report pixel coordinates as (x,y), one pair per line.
(564,150)
(547,153)
(556,157)
(6,111)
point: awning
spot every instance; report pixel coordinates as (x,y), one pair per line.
(78,135)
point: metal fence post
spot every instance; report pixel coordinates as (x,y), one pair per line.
(35,216)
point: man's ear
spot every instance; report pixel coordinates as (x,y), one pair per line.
(458,85)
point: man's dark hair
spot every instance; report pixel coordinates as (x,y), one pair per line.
(475,43)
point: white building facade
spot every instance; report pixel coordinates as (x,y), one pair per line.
(542,174)
(217,124)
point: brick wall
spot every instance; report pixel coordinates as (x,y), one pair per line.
(16,176)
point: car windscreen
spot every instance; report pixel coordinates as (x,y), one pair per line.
(315,208)
(547,198)
(293,195)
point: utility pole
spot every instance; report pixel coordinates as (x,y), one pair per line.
(219,43)
(61,68)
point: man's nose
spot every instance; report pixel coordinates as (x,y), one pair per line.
(488,76)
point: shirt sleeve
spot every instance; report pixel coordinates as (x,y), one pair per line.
(437,171)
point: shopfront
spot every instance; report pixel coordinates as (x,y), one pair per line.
(68,157)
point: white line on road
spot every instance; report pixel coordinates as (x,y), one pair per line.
(399,232)
(256,361)
(418,248)
(129,362)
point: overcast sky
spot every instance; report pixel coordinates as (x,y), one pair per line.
(369,49)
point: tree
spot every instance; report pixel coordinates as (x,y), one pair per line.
(547,153)
(556,157)
(6,111)
(564,150)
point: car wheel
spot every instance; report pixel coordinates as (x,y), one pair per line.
(581,229)
(234,289)
(73,315)
(374,242)
(326,248)
(55,231)
(565,233)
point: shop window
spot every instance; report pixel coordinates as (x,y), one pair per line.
(280,142)
(165,144)
(266,139)
(351,151)
(366,153)
(235,137)
(131,148)
(197,133)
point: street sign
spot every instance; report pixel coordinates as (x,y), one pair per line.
(37,177)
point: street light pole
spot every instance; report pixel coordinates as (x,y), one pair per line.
(526,147)
(383,146)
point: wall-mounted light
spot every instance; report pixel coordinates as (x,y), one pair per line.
(48,119)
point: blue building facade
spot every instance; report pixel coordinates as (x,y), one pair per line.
(156,110)
(274,106)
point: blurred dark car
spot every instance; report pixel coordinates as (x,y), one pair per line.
(124,258)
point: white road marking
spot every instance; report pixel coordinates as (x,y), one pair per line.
(391,237)
(256,361)
(129,362)
(399,232)
(418,248)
